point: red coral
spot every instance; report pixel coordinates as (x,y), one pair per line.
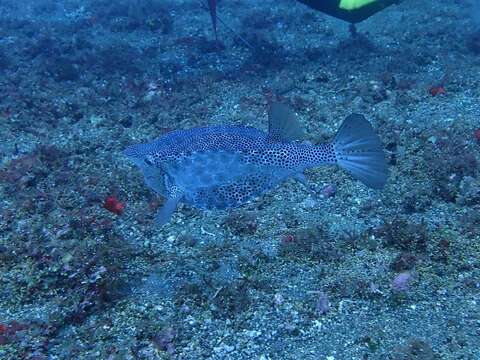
(113,205)
(476,134)
(437,90)
(15,326)
(4,340)
(8,331)
(287,239)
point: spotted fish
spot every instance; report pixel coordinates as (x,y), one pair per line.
(220,167)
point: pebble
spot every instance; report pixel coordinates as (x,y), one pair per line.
(252,333)
(224,348)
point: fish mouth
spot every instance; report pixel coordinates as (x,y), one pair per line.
(137,151)
(131,151)
(135,154)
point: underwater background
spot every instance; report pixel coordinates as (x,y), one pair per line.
(329,270)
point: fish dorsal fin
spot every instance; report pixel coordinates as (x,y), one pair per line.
(283,125)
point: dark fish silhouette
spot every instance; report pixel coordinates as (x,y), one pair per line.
(352,11)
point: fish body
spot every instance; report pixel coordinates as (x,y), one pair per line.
(220,167)
(353,11)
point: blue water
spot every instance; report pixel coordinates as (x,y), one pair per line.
(318,266)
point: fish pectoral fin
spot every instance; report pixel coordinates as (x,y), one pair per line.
(165,212)
(155,179)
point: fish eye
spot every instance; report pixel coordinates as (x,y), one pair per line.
(148,161)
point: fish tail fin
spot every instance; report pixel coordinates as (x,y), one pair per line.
(359,151)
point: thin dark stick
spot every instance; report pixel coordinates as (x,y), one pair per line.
(228,27)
